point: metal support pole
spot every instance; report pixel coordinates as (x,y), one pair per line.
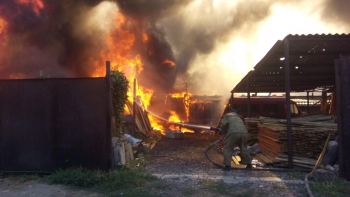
(248,97)
(343,115)
(308,102)
(288,114)
(324,101)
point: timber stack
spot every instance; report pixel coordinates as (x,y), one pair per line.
(252,127)
(143,125)
(308,138)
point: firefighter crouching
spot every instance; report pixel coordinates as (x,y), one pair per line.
(233,126)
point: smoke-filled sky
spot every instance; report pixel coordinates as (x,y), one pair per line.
(213,43)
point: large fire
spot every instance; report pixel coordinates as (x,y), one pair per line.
(36,5)
(116,46)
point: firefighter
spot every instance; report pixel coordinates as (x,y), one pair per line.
(233,126)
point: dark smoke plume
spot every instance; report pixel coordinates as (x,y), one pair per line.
(337,11)
(57,41)
(46,40)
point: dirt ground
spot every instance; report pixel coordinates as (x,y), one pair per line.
(186,156)
(173,156)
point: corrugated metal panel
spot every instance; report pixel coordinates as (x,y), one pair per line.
(311,64)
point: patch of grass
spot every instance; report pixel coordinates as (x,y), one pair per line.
(98,181)
(296,175)
(138,163)
(160,185)
(131,193)
(188,191)
(339,188)
(28,177)
(272,175)
(279,186)
(215,186)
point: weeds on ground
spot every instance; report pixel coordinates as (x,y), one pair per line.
(138,163)
(28,177)
(296,175)
(339,188)
(279,186)
(101,182)
(215,186)
(188,191)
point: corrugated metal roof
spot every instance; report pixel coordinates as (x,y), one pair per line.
(311,62)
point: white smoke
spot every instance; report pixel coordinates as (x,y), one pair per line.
(222,40)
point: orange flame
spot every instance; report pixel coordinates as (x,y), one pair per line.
(175,118)
(3,25)
(180,95)
(144,37)
(144,95)
(36,5)
(169,62)
(119,42)
(156,124)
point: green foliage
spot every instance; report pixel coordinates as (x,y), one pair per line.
(138,163)
(296,175)
(279,186)
(77,177)
(188,191)
(103,182)
(131,193)
(28,177)
(119,89)
(215,186)
(339,188)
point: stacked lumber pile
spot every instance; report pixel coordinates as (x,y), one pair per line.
(252,127)
(308,137)
(282,161)
(316,117)
(142,122)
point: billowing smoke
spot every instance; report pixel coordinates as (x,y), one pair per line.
(49,36)
(212,43)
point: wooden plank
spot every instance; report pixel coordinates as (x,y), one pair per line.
(267,160)
(238,158)
(296,157)
(320,158)
(142,119)
(294,161)
(235,160)
(259,158)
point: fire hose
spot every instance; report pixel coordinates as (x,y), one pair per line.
(220,139)
(217,141)
(197,127)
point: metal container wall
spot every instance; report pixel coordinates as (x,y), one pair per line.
(47,124)
(26,125)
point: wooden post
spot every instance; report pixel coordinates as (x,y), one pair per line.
(134,106)
(109,112)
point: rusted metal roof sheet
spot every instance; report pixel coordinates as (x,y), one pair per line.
(311,60)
